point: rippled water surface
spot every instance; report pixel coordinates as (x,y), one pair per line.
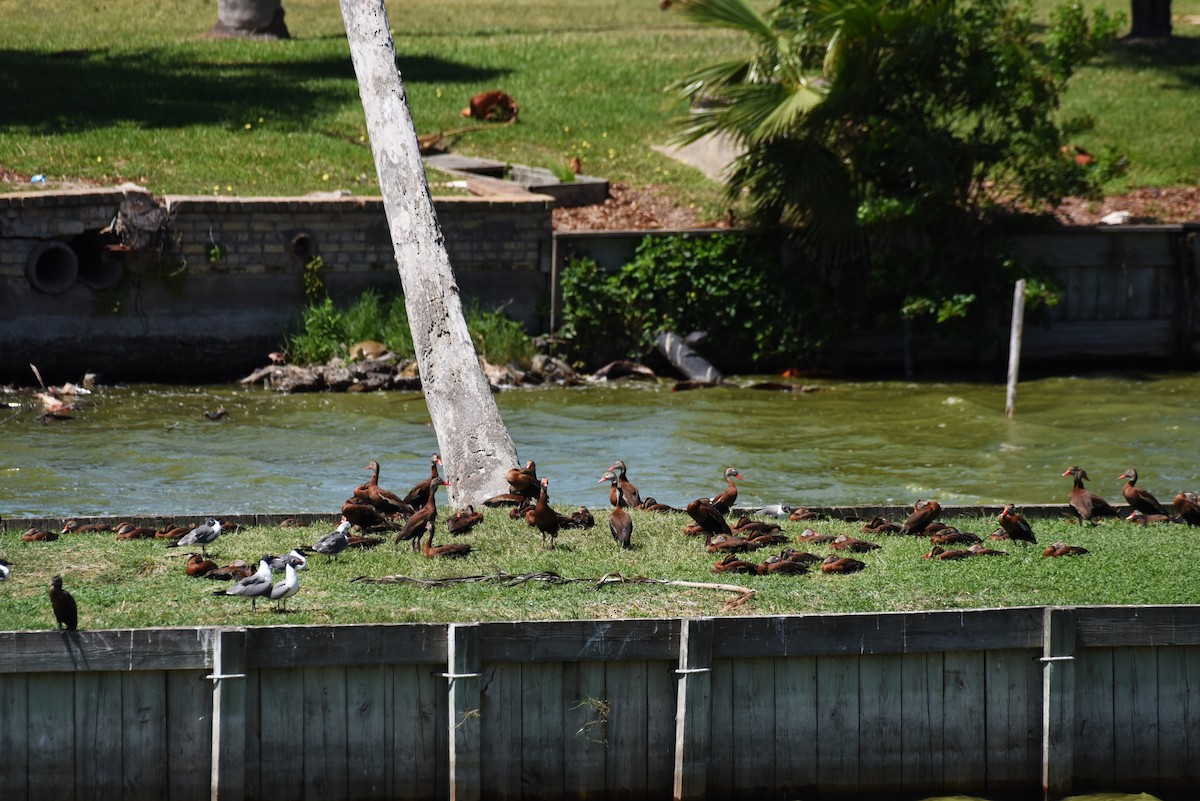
(150,450)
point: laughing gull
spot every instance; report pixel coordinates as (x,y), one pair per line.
(285,589)
(202,535)
(5,570)
(335,541)
(294,558)
(253,586)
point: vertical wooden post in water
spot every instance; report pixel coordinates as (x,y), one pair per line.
(1058,701)
(228,714)
(693,709)
(462,658)
(1014,347)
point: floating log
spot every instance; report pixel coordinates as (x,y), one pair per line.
(687,361)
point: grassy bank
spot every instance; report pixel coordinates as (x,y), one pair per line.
(142,583)
(122,91)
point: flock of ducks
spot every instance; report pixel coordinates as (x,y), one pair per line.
(372,510)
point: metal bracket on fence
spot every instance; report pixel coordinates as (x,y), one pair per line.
(683,671)
(1056,659)
(459,675)
(219,676)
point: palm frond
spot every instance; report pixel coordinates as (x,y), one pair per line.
(734,14)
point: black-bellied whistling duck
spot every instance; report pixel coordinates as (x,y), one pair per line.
(203,535)
(841,564)
(707,517)
(38,535)
(1187,506)
(386,501)
(775,565)
(723,543)
(361,541)
(582,518)
(746,527)
(505,499)
(73,526)
(810,537)
(414,528)
(923,513)
(843,542)
(633,498)
(804,513)
(524,481)
(198,566)
(452,550)
(798,556)
(766,540)
(366,517)
(170,531)
(1015,526)
(880,525)
(724,501)
(1087,505)
(235,570)
(731,564)
(938,552)
(1139,499)
(979,549)
(545,518)
(66,613)
(1143,519)
(652,505)
(1062,549)
(464,520)
(620,524)
(128,531)
(335,541)
(952,536)
(415,498)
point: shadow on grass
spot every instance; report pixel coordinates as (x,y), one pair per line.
(50,93)
(1178,57)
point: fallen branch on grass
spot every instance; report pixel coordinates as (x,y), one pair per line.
(550,577)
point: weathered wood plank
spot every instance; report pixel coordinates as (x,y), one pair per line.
(281,712)
(1190,777)
(324,711)
(837,725)
(1173,720)
(463,683)
(753,714)
(115,649)
(922,704)
(189,734)
(1135,717)
(796,726)
(1057,660)
(693,710)
(1095,752)
(501,754)
(1103,626)
(228,715)
(98,735)
(144,734)
(412,724)
(579,640)
(365,731)
(721,714)
(1013,724)
(1088,247)
(14,740)
(626,767)
(585,730)
(325,646)
(881,725)
(51,720)
(541,730)
(255,785)
(660,728)
(877,633)
(964,740)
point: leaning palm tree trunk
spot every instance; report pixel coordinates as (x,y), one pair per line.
(475,446)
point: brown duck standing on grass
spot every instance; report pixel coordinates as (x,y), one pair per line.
(419,494)
(633,498)
(1087,505)
(620,524)
(66,613)
(724,501)
(1015,526)
(414,528)
(923,513)
(385,501)
(1140,500)
(1187,506)
(708,518)
(545,518)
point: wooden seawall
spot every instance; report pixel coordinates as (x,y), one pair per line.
(998,703)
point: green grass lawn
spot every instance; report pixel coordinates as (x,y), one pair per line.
(123,90)
(142,583)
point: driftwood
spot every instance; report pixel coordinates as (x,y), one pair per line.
(550,577)
(686,360)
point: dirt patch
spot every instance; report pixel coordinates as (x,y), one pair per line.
(1175,205)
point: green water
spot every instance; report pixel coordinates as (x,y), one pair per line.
(149,449)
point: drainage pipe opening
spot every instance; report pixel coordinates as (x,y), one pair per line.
(52,267)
